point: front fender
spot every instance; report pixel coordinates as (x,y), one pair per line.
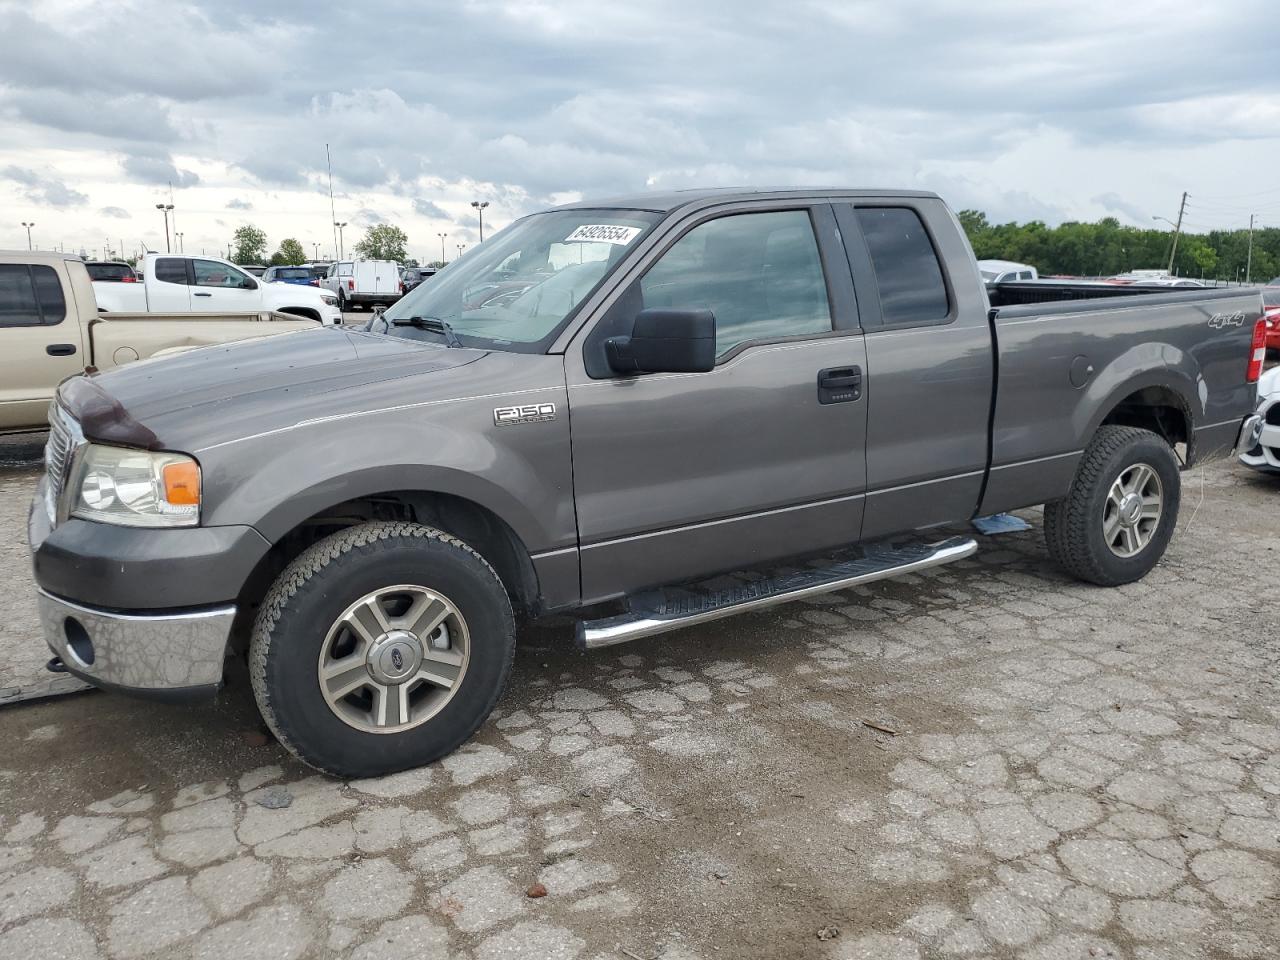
(521,474)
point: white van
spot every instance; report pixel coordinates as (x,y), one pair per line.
(364,283)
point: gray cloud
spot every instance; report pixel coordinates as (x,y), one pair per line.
(48,191)
(116,213)
(426,208)
(238,204)
(537,99)
(157,169)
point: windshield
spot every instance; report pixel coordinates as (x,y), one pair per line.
(518,289)
(293,273)
(1271,298)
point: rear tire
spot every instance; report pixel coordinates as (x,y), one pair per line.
(1117,519)
(331,621)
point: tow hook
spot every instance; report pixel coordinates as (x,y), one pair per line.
(55,665)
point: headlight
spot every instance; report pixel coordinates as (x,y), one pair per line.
(331,301)
(135,488)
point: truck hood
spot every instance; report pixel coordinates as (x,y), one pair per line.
(226,392)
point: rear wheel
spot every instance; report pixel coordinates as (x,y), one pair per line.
(382,647)
(1116,521)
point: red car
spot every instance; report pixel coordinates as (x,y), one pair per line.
(1271,313)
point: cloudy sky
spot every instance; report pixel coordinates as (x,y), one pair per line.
(1076,110)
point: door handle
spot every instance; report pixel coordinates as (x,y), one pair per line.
(60,349)
(839,384)
(197,294)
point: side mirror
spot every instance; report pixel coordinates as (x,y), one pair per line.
(248,283)
(666,341)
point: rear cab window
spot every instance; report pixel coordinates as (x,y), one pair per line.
(908,272)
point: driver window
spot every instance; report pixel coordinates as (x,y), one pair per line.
(210,273)
(759,273)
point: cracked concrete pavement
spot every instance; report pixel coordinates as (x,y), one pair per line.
(1072,773)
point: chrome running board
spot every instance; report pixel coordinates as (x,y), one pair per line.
(666,609)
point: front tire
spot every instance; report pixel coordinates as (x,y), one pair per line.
(1117,519)
(382,647)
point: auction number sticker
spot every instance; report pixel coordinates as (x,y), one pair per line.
(603,233)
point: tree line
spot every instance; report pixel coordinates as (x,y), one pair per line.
(1107,248)
(382,241)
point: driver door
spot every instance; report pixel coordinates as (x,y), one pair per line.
(221,287)
(678,476)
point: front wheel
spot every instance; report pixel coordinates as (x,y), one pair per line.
(382,647)
(1117,519)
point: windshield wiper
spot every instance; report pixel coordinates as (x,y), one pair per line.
(432,324)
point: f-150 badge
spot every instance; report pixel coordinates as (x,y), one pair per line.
(526,413)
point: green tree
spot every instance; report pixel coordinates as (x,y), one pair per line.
(290,254)
(248,245)
(383,241)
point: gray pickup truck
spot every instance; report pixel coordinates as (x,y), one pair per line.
(600,407)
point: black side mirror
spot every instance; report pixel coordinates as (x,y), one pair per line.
(248,283)
(666,341)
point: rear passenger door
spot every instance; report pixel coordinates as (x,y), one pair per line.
(169,287)
(929,361)
(682,475)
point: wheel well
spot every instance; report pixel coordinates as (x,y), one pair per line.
(301,312)
(1162,411)
(478,526)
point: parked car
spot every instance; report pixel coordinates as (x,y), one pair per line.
(364,283)
(1263,447)
(1005,271)
(381,503)
(111,271)
(175,283)
(256,269)
(299,275)
(50,329)
(412,276)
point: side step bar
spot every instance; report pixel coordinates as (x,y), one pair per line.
(663,610)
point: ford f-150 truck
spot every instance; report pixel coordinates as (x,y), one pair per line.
(594,412)
(50,329)
(173,283)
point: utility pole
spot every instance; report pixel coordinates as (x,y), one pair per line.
(1248,267)
(1177,229)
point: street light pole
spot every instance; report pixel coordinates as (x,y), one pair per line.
(29,226)
(461,246)
(1248,268)
(340,226)
(317,246)
(181,247)
(443,261)
(480,205)
(165,208)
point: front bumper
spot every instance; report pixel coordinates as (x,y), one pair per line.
(1259,445)
(174,655)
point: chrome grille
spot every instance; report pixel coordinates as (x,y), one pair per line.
(64,437)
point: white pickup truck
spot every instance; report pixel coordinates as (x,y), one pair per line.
(51,329)
(176,284)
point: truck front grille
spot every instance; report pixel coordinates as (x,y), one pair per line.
(64,437)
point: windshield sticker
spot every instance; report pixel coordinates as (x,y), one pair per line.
(603,233)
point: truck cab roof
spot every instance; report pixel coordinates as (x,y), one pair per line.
(669,200)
